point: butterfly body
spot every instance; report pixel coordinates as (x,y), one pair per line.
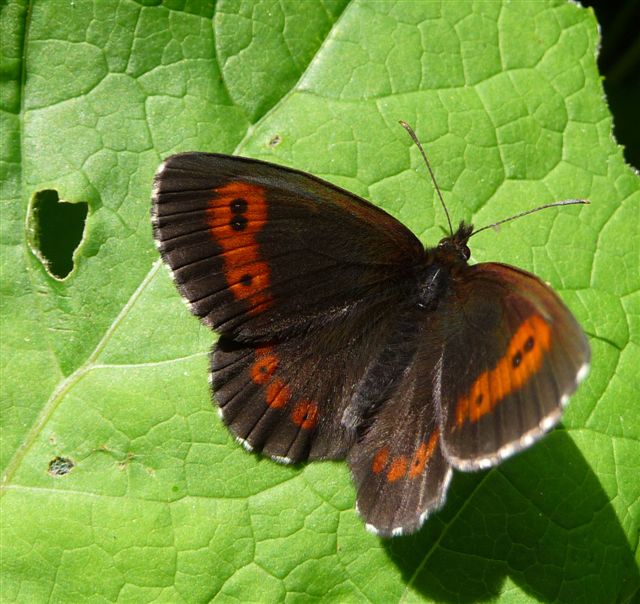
(341,336)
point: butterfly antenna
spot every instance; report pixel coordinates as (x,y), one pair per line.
(564,202)
(412,134)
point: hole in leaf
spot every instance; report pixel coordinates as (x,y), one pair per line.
(59,466)
(57,228)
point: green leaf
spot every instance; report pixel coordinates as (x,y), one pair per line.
(119,481)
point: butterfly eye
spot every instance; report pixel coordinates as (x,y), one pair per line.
(466,252)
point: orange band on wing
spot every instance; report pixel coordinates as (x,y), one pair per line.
(236,214)
(523,359)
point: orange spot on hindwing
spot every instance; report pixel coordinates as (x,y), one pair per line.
(380,460)
(305,414)
(397,469)
(236,214)
(278,394)
(264,366)
(423,454)
(523,359)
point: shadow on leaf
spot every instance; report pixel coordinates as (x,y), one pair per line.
(542,519)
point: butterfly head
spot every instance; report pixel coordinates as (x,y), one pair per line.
(454,249)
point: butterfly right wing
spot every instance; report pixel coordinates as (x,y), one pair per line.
(492,369)
(398,464)
(511,356)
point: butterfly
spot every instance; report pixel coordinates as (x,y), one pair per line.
(342,337)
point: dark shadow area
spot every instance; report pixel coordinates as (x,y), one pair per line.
(542,519)
(57,228)
(619,63)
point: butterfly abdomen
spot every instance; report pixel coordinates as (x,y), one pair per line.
(383,373)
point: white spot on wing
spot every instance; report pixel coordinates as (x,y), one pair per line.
(487,462)
(244,443)
(397,532)
(507,451)
(583,372)
(190,306)
(548,422)
(282,459)
(526,441)
(156,181)
(371,529)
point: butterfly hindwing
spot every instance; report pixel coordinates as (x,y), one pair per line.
(258,250)
(398,464)
(287,398)
(512,355)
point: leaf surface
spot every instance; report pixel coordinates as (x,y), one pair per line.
(107,370)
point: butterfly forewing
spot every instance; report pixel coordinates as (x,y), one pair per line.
(512,356)
(259,250)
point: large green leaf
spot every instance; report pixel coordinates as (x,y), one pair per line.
(107,371)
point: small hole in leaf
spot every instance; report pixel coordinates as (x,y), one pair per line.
(59,466)
(57,228)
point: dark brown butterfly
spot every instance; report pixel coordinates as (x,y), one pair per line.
(341,336)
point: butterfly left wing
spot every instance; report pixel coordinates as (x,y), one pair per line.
(511,355)
(259,250)
(286,398)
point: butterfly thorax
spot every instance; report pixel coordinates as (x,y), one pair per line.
(440,264)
